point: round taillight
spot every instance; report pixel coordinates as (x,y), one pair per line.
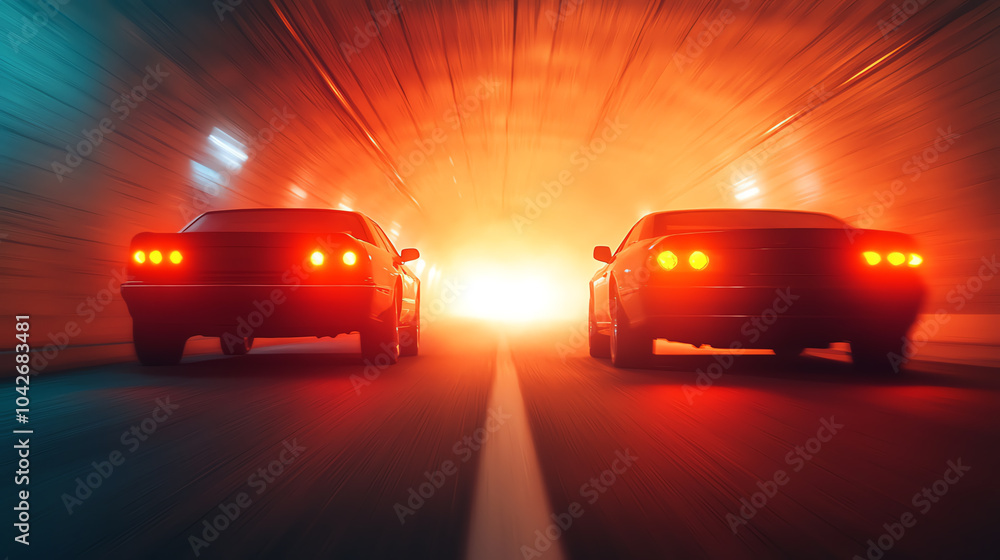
(698,260)
(667,259)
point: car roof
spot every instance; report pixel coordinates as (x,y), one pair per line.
(739,210)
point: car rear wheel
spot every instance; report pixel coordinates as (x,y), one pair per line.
(157,346)
(877,356)
(380,340)
(409,336)
(600,344)
(233,345)
(628,347)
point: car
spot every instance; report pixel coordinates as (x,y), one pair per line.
(755,278)
(272,272)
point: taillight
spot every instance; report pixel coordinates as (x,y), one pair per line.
(667,260)
(350,258)
(895,258)
(317,258)
(156,257)
(698,260)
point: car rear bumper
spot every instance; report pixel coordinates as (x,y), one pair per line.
(773,315)
(279,310)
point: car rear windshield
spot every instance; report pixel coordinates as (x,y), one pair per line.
(281,220)
(669,223)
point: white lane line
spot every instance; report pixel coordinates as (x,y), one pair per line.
(510,502)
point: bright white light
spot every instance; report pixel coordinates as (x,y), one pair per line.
(743,195)
(228,144)
(207,179)
(343,206)
(298,191)
(418,266)
(505,295)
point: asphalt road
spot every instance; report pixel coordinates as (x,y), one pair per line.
(495,433)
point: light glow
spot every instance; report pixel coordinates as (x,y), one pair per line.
(350,258)
(698,260)
(139,256)
(896,258)
(156,257)
(500,294)
(915,259)
(667,260)
(176,257)
(316,258)
(872,257)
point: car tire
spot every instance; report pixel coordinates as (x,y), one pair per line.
(872,356)
(240,348)
(157,346)
(628,347)
(600,344)
(380,340)
(409,336)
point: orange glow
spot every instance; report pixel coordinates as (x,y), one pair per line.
(139,256)
(915,259)
(896,258)
(350,258)
(872,257)
(316,258)
(667,260)
(176,257)
(156,257)
(698,260)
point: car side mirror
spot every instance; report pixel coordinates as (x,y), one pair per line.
(603,253)
(407,255)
